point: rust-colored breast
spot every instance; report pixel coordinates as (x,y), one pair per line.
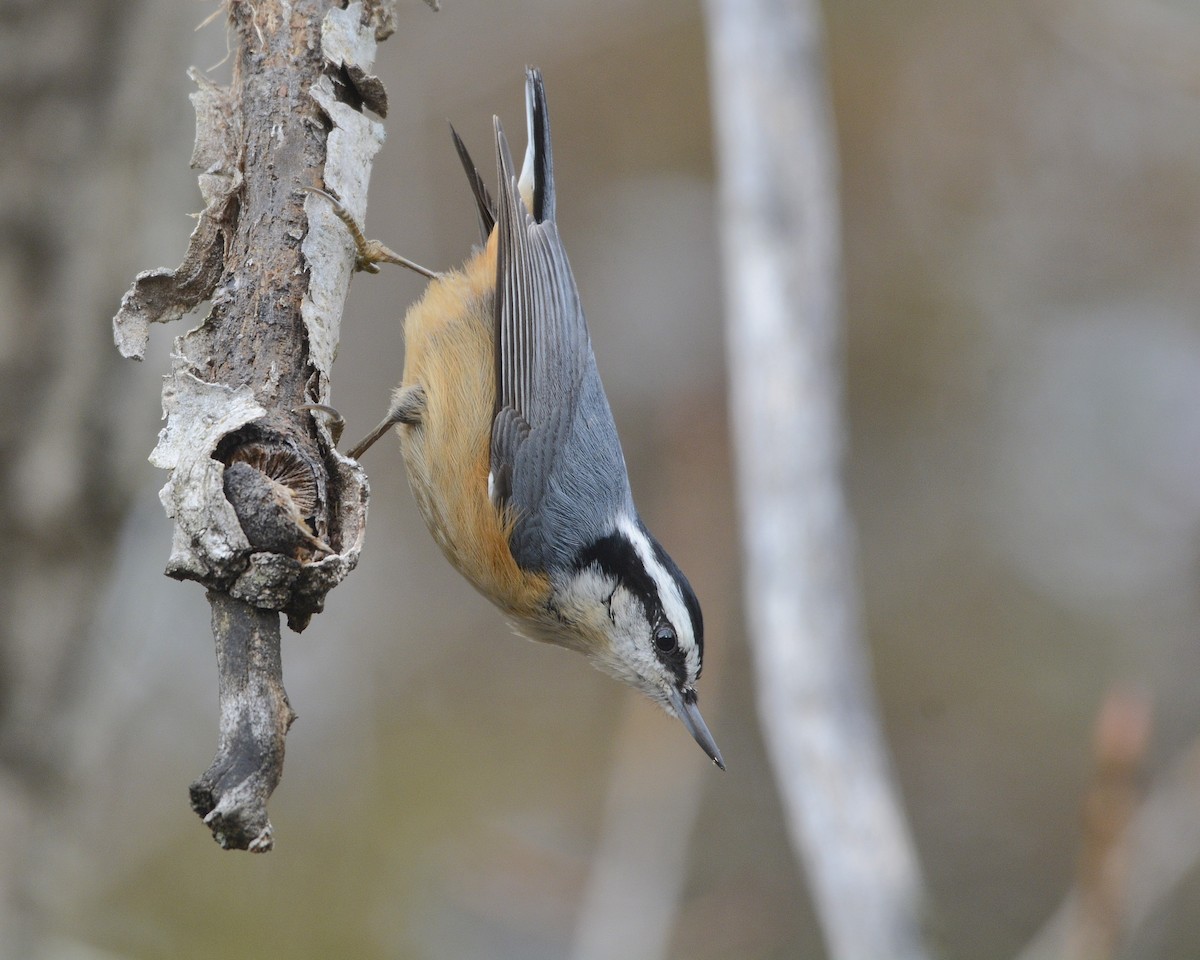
(448,337)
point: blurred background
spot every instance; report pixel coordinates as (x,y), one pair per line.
(1020,186)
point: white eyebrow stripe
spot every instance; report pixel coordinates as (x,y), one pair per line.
(669,593)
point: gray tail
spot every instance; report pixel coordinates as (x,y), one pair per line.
(539,158)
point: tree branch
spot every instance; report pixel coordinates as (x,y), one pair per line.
(231,795)
(268,516)
(780,242)
(1144,854)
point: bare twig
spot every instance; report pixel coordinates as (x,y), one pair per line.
(636,880)
(1158,850)
(780,241)
(269,517)
(1122,733)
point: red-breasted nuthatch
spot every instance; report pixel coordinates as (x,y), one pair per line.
(512,452)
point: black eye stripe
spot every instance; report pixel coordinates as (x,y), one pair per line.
(616,557)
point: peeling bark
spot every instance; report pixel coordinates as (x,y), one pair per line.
(286,524)
(163,295)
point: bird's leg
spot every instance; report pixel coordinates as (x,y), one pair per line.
(408,405)
(370,253)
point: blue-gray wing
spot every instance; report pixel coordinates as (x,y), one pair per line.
(555,456)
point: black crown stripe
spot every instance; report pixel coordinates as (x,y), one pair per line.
(616,557)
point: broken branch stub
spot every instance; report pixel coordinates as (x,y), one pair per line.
(268,515)
(231,795)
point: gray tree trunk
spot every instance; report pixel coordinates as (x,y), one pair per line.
(65,181)
(780,239)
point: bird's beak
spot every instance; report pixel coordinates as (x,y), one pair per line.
(689,713)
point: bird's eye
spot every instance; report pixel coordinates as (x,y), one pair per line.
(664,639)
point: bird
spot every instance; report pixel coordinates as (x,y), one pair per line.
(511,448)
